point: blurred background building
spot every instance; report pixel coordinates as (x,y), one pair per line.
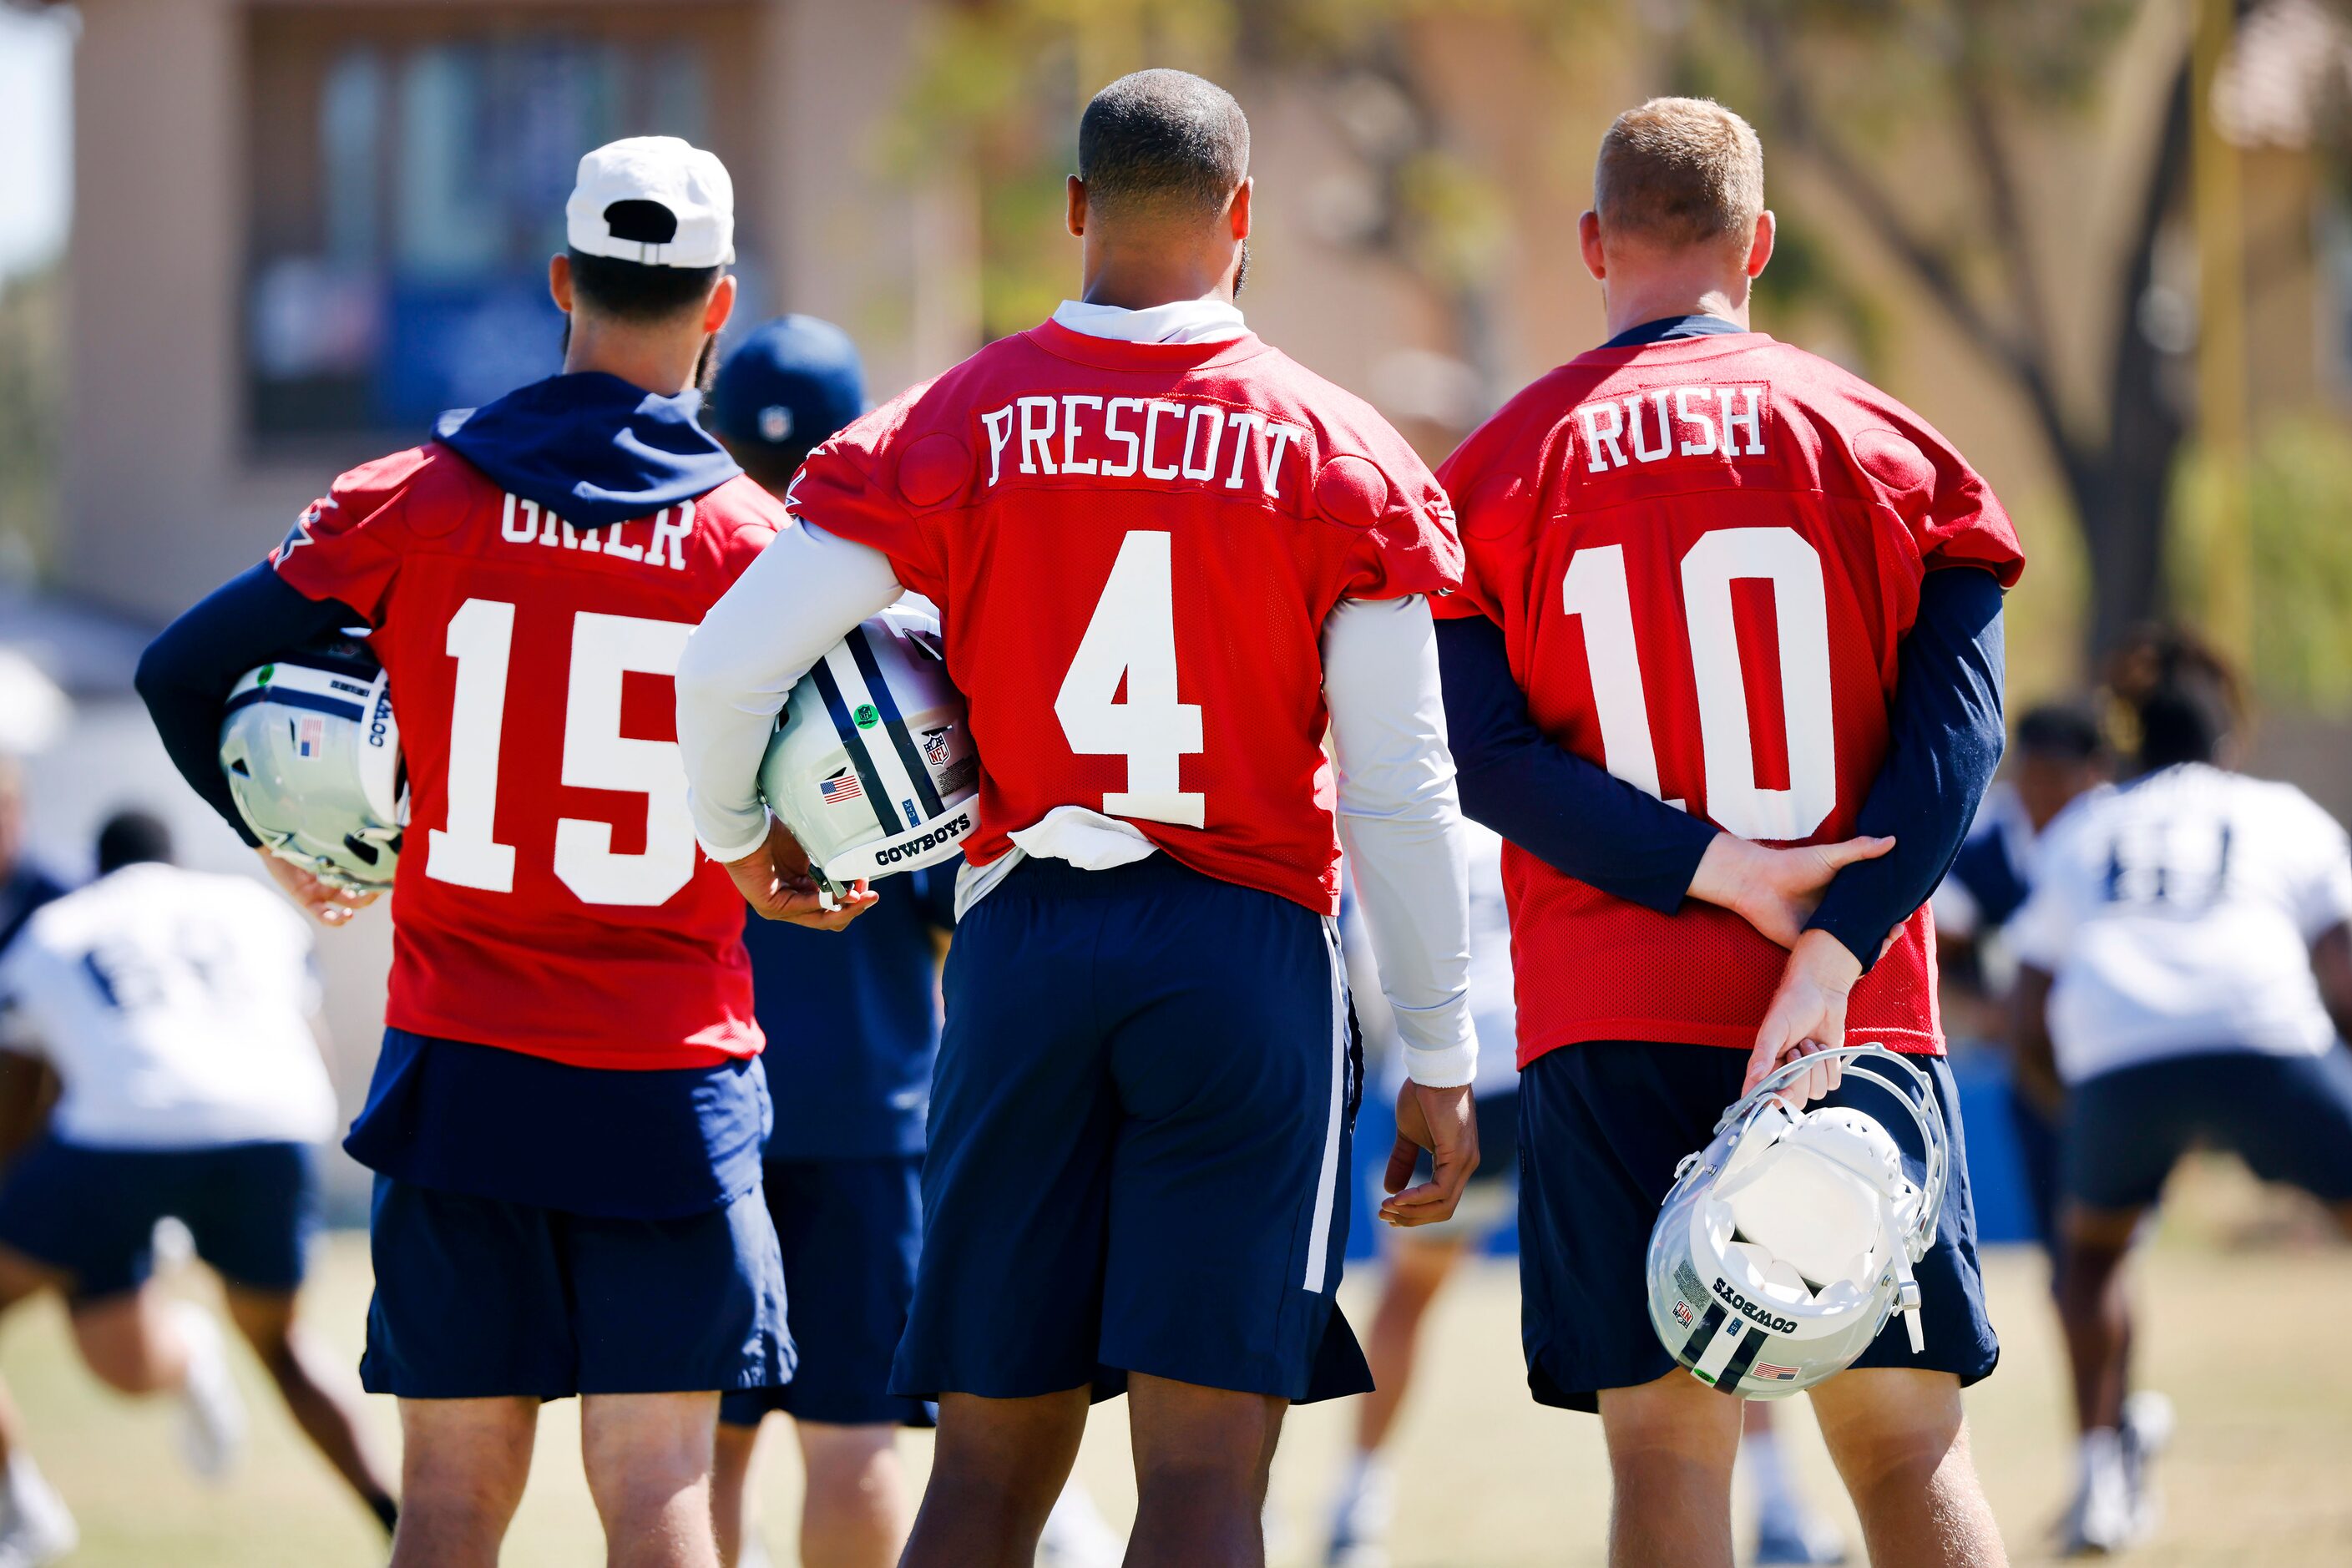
(2108,253)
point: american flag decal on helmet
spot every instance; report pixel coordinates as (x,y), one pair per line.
(311,736)
(838,788)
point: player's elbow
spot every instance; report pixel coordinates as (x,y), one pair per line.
(706,677)
(161,676)
(1414,788)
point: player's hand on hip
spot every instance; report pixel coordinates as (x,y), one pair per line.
(1807,1015)
(774,880)
(318,897)
(1443,1122)
(1775,891)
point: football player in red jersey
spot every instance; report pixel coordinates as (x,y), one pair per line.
(1766,597)
(1166,558)
(565,1120)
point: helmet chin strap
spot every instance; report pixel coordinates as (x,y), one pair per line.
(1907,1299)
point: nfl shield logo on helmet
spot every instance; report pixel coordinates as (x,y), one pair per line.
(1683,1313)
(935,745)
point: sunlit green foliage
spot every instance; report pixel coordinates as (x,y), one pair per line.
(2299,506)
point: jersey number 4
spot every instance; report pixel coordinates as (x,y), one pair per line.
(1131,640)
(1594,588)
(596,755)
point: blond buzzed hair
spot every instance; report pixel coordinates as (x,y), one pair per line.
(1680,171)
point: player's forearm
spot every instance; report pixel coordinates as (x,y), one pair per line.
(28,1090)
(802,596)
(1565,810)
(1402,826)
(1945,742)
(2331,965)
(187,672)
(2033,1054)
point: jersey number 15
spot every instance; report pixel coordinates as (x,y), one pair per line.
(596,755)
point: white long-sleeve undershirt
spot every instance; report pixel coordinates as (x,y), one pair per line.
(803,594)
(1399,818)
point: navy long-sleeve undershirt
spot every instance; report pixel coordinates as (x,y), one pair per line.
(187,672)
(1946,739)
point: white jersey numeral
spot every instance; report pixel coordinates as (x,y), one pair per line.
(1133,637)
(596,755)
(482,639)
(1595,589)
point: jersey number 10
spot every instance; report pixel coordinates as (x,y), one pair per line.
(596,755)
(1594,588)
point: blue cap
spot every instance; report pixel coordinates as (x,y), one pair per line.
(790,382)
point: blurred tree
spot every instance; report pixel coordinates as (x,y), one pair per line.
(1883,100)
(1003,80)
(1855,88)
(32,395)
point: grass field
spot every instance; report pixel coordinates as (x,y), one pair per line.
(2261,1472)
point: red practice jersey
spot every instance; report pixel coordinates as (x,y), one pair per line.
(1133,547)
(550,899)
(1705,555)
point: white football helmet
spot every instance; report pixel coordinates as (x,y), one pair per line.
(872,766)
(1789,1241)
(312,754)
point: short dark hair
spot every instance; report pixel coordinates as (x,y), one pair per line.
(632,292)
(2063,731)
(131,836)
(1163,142)
(2185,696)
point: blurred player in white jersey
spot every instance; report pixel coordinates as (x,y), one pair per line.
(174,1008)
(1421,1260)
(2185,971)
(24,887)
(2057,754)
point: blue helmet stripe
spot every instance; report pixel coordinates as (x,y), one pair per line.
(887,704)
(854,743)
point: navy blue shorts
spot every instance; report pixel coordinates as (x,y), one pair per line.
(479,1297)
(92,1213)
(1602,1128)
(2289,1118)
(851,1231)
(1139,1142)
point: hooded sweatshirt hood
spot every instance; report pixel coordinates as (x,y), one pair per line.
(591,447)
